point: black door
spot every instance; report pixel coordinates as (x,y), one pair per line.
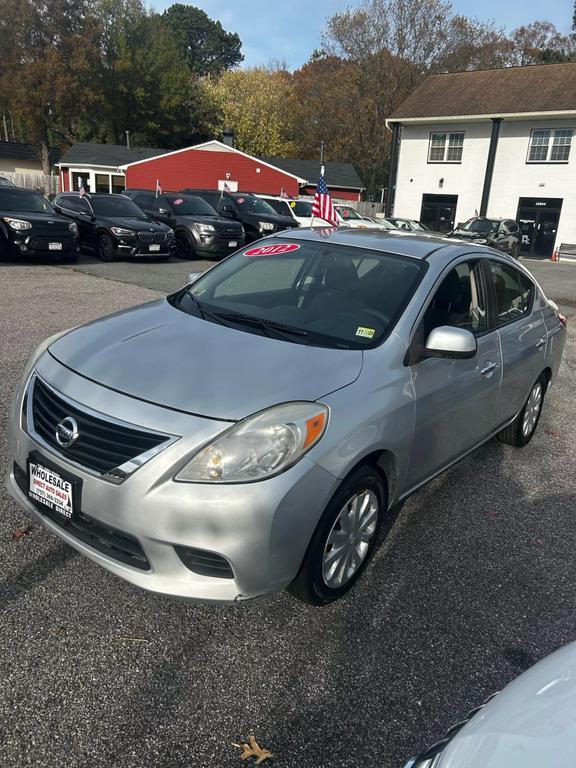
(538,219)
(439,212)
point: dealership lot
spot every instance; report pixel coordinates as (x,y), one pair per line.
(474,584)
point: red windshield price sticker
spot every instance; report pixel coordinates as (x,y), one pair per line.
(272,250)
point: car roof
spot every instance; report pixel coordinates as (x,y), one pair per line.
(419,246)
(22,190)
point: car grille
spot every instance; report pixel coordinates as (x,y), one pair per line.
(104,538)
(101,446)
(152,237)
(227,230)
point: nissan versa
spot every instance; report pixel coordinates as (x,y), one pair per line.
(251,431)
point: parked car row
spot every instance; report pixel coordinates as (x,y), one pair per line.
(193,223)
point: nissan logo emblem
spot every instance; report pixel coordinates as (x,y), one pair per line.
(67,432)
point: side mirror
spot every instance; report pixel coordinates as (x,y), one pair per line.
(163,211)
(193,276)
(451,342)
(228,212)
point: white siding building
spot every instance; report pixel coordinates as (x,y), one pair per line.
(496,143)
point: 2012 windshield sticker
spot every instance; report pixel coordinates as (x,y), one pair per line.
(272,250)
(366,333)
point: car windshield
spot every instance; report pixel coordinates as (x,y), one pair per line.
(312,293)
(254,205)
(12,199)
(191,206)
(480,225)
(116,206)
(301,207)
(417,226)
(347,212)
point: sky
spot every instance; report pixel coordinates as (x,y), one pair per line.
(272,30)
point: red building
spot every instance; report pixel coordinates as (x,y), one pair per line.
(112,168)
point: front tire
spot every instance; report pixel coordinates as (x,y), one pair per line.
(344,539)
(184,246)
(522,429)
(105,247)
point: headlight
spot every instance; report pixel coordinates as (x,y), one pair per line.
(17,224)
(121,232)
(73,227)
(204,227)
(265,226)
(261,446)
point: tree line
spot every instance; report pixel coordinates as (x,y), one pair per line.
(90,70)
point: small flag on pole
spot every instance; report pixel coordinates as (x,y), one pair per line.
(322,207)
(81,189)
(284,194)
(158,188)
(226,188)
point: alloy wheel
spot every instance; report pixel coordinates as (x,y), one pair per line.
(349,539)
(532,409)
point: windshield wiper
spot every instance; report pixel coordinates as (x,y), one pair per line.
(279,329)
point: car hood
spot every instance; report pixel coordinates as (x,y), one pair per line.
(530,724)
(162,355)
(137,224)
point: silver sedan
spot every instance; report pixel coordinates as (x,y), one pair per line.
(251,431)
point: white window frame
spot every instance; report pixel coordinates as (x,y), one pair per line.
(446,146)
(89,175)
(550,144)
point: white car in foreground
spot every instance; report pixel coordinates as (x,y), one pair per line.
(530,724)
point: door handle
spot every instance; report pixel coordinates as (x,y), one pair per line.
(540,342)
(488,368)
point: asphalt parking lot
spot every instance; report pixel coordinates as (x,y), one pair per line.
(474,584)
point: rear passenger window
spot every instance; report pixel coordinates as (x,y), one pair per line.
(513,291)
(459,301)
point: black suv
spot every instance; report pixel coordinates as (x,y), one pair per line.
(114,227)
(199,231)
(503,234)
(259,218)
(29,226)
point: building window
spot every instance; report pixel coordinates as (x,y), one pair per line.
(102,182)
(118,184)
(445,147)
(548,146)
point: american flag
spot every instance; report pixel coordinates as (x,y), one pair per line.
(158,188)
(81,189)
(284,194)
(226,188)
(322,207)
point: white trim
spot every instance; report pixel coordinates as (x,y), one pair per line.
(226,147)
(487,116)
(92,165)
(91,176)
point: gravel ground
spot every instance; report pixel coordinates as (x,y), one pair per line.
(473,585)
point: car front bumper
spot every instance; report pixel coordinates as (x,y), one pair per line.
(125,249)
(260,529)
(39,246)
(217,246)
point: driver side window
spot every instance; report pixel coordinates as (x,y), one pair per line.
(460,301)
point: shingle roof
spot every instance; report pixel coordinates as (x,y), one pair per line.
(17,151)
(337,174)
(107,154)
(535,88)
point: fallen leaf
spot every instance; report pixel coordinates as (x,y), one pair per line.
(253,749)
(19,533)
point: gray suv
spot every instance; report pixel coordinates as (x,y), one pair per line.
(252,431)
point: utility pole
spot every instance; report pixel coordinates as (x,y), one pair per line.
(321,153)
(5,127)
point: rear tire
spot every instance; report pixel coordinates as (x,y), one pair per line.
(105,247)
(344,539)
(522,429)
(184,246)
